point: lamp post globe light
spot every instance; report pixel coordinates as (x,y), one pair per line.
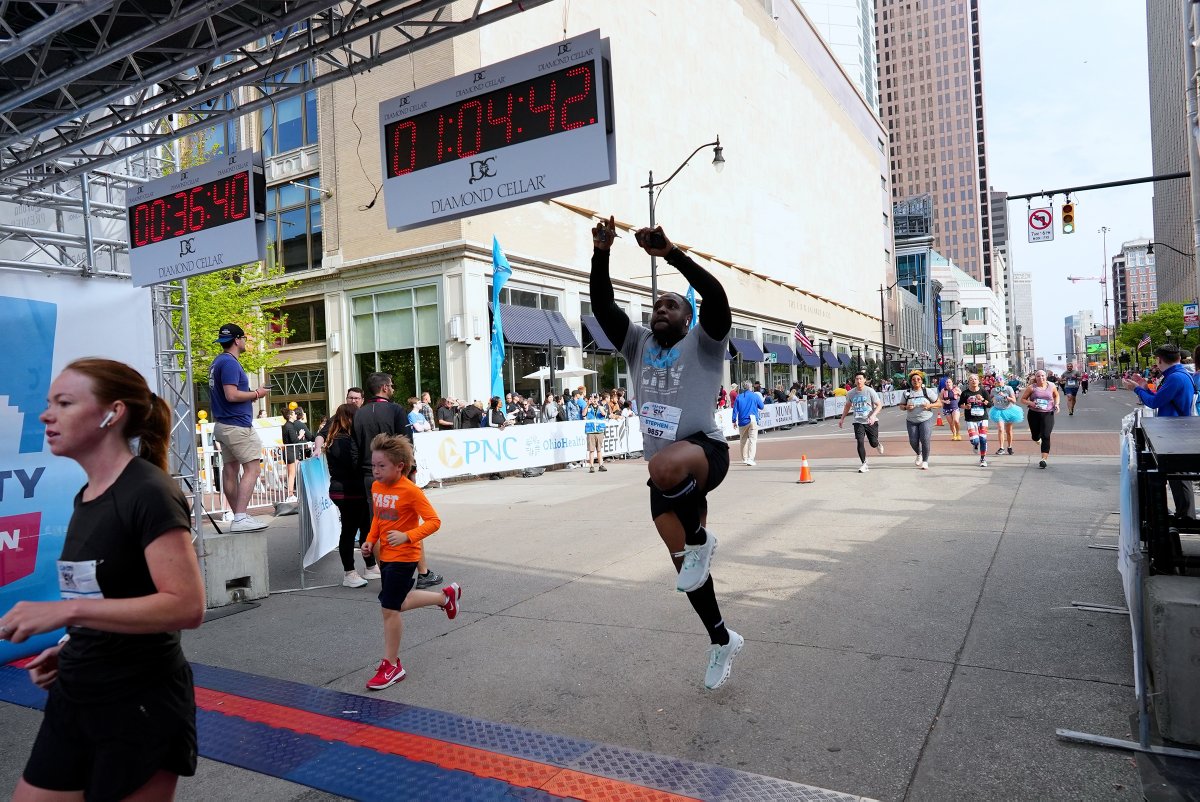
(651,185)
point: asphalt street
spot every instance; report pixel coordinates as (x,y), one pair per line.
(909,635)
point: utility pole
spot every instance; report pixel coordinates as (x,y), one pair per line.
(1104,269)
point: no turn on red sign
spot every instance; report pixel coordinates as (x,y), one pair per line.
(1041,225)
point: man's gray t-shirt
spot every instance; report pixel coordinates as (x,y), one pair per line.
(862,402)
(675,386)
(1070,379)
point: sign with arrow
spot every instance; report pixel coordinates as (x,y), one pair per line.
(1041,225)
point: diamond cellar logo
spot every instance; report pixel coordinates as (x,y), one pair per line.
(483,169)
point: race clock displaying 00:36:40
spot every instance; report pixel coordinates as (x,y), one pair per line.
(526,110)
(190,211)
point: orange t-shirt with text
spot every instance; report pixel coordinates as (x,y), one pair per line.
(401,507)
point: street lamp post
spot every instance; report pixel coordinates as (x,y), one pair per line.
(650,186)
(1104,268)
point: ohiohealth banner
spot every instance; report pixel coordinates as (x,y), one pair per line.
(47,322)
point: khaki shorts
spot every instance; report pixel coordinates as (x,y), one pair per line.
(595,441)
(239,444)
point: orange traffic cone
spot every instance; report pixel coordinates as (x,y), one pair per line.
(805,475)
(940,422)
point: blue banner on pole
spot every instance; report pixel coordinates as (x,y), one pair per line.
(691,299)
(501,270)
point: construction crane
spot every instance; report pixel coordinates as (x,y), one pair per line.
(1108,331)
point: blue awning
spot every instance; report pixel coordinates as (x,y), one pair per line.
(809,358)
(524,325)
(748,350)
(594,330)
(784,354)
(846,359)
(831,359)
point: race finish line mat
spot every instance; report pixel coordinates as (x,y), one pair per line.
(374,749)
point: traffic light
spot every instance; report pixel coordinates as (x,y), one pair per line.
(1068,218)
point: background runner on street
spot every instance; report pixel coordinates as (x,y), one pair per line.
(949,396)
(975,401)
(1004,413)
(866,404)
(1069,382)
(920,403)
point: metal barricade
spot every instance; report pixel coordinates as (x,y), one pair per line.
(272,487)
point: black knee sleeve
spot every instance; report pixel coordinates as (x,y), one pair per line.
(685,499)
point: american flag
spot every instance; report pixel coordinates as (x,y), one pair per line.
(1142,343)
(802,337)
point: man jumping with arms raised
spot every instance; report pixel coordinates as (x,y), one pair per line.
(676,373)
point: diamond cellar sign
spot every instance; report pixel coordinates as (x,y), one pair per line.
(536,126)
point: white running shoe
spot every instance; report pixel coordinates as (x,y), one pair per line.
(924,466)
(720,661)
(879,448)
(863,468)
(918,462)
(696,562)
(353,580)
(751,463)
(372,573)
(982,463)
(228,516)
(290,500)
(247,524)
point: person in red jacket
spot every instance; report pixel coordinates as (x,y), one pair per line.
(403,518)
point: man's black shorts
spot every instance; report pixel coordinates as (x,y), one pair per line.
(396,580)
(111,749)
(717,454)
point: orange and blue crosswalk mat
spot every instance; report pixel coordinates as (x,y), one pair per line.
(370,748)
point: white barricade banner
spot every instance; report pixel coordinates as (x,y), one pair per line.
(1129,548)
(775,415)
(320,520)
(834,406)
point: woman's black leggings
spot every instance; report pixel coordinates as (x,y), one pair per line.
(1041,424)
(356,519)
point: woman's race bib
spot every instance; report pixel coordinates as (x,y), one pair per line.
(1042,404)
(977,412)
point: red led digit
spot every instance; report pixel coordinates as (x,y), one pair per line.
(239,196)
(463,116)
(141,224)
(195,218)
(538,108)
(582,95)
(506,120)
(180,211)
(440,136)
(158,220)
(397,135)
(220,198)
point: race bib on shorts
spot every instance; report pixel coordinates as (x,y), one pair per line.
(660,421)
(77,580)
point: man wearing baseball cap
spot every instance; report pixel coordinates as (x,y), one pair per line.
(233,413)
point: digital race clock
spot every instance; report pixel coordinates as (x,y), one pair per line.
(197,220)
(532,127)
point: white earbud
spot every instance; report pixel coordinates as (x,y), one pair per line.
(107,419)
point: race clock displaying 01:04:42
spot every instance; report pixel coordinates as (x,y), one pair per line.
(524,111)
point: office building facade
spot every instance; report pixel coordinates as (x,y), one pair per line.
(931,102)
(1135,281)
(848,27)
(1021,313)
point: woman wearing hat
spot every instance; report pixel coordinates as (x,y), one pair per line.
(920,402)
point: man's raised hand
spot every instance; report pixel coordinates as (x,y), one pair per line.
(604,233)
(653,241)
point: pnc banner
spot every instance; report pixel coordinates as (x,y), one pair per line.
(51,321)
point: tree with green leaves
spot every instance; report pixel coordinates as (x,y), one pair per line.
(1168,317)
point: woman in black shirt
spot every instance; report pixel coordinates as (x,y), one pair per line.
(347,493)
(120,717)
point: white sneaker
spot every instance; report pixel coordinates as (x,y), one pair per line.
(290,500)
(227,517)
(720,661)
(696,562)
(372,573)
(924,466)
(353,580)
(863,468)
(982,463)
(247,524)
(918,462)
(751,463)
(879,448)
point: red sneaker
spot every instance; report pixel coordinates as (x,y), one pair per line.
(387,676)
(453,594)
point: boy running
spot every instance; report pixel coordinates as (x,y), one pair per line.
(403,518)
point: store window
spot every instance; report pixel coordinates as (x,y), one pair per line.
(304,386)
(398,332)
(779,373)
(522,359)
(739,369)
(305,320)
(290,123)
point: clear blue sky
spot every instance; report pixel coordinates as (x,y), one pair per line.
(1067,103)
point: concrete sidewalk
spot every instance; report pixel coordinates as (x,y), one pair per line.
(908,634)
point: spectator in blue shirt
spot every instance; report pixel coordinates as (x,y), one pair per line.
(594,428)
(746,408)
(1173,398)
